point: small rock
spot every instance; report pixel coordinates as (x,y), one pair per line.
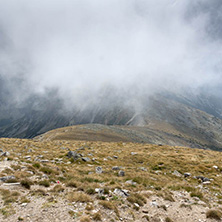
(44,161)
(130,182)
(136,205)
(5,154)
(203,179)
(40,156)
(115,157)
(99,169)
(121,193)
(154,204)
(74,155)
(6,178)
(142,168)
(215,167)
(100,191)
(64,148)
(81,148)
(24,204)
(187,175)
(176,173)
(206,182)
(27,157)
(115,168)
(121,173)
(133,153)
(145,211)
(86,159)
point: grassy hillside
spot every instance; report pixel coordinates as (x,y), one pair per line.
(107,181)
(156,132)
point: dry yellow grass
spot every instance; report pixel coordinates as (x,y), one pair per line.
(149,167)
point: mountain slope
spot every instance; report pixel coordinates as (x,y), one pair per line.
(164,118)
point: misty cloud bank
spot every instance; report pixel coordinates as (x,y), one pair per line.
(128,48)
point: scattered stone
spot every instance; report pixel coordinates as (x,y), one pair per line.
(1,151)
(115,168)
(176,173)
(27,157)
(133,153)
(6,178)
(100,191)
(142,168)
(40,156)
(99,169)
(215,167)
(5,154)
(130,182)
(187,175)
(86,159)
(121,173)
(136,205)
(121,193)
(145,211)
(44,161)
(115,157)
(154,203)
(64,148)
(24,204)
(206,182)
(74,155)
(203,179)
(81,148)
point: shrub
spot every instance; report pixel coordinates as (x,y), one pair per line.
(46,170)
(196,194)
(26,183)
(137,198)
(90,191)
(214,214)
(44,183)
(71,184)
(36,165)
(58,188)
(97,216)
(169,197)
(79,197)
(85,219)
(168,219)
(106,204)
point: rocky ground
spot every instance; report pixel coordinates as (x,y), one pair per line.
(98,181)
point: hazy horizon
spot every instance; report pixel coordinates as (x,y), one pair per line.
(82,48)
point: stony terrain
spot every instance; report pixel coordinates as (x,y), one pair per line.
(43,180)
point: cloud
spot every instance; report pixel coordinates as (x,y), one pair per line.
(134,47)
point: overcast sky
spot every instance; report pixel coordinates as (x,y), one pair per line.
(83,46)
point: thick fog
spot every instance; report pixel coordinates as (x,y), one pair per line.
(84,48)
